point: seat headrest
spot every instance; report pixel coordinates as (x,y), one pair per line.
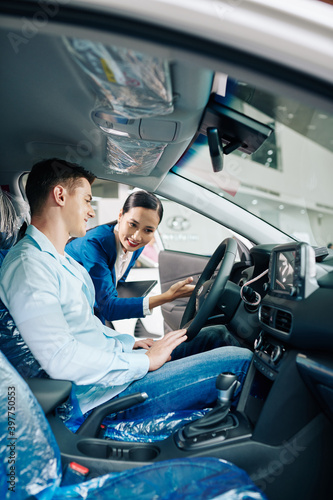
(13,213)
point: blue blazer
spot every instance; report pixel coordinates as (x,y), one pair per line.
(97,252)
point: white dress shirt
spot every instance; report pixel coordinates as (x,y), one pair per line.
(121,265)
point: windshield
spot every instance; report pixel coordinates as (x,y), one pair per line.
(288,180)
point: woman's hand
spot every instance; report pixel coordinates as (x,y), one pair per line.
(176,291)
(180,289)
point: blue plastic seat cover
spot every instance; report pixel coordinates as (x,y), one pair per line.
(30,464)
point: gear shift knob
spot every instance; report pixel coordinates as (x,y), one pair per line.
(218,418)
(226,384)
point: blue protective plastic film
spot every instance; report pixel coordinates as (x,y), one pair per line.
(30,459)
(149,430)
(145,430)
(183,479)
(30,466)
(15,349)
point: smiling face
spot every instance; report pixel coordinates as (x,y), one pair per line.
(137,227)
(79,209)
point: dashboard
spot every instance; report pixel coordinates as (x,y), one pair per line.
(297,294)
(296,316)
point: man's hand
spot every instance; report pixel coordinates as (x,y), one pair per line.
(161,351)
(143,344)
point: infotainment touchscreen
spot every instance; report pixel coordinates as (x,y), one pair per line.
(292,271)
(284,271)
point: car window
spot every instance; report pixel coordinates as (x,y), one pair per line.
(184,230)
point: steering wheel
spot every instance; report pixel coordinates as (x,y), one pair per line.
(208,290)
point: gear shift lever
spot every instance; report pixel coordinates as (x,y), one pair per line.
(226,384)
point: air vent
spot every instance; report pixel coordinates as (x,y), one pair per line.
(265,315)
(278,319)
(283,321)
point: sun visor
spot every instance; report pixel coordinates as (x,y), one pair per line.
(124,155)
(133,84)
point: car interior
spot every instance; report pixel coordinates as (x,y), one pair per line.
(239,148)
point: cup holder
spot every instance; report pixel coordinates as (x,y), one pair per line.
(125,451)
(143,454)
(95,450)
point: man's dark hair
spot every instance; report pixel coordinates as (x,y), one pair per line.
(47,174)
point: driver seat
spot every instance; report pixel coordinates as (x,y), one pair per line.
(11,342)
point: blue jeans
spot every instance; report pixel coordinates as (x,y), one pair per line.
(187,383)
(209,337)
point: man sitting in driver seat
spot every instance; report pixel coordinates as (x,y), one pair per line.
(51,298)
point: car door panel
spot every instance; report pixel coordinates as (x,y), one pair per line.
(173,267)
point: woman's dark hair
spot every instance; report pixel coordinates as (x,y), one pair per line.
(145,200)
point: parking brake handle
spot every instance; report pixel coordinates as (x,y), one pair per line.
(91,426)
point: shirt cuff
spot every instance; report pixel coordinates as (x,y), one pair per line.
(146,310)
(138,364)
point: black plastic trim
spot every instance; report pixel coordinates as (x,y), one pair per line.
(49,393)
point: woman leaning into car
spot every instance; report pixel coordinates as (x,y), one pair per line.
(109,251)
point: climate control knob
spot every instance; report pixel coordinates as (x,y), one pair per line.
(259,341)
(276,354)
